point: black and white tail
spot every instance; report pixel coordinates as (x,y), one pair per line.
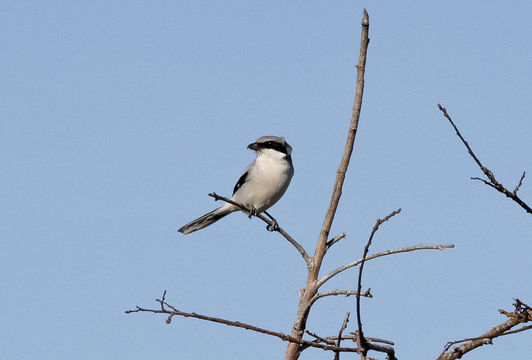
(206,219)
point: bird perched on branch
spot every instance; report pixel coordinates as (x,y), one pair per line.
(263,183)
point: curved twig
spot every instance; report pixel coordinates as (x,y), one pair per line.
(384,253)
(361,340)
(344,325)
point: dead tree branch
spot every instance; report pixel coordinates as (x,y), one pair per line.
(331,340)
(384,253)
(293,350)
(171,311)
(344,325)
(334,240)
(361,341)
(521,314)
(491,178)
(271,226)
(310,294)
(346,293)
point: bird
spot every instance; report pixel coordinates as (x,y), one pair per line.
(263,183)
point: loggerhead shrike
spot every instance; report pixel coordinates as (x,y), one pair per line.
(262,184)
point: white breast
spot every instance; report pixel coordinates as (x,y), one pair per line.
(267,180)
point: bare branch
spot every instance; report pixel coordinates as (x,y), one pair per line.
(332,339)
(389,350)
(521,314)
(484,181)
(374,339)
(384,253)
(524,328)
(271,225)
(292,351)
(318,338)
(344,325)
(346,293)
(362,342)
(492,181)
(348,150)
(284,337)
(334,240)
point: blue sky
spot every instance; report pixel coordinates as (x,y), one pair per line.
(117,118)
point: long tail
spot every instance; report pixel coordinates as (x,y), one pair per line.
(206,219)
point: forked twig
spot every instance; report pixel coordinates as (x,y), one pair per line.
(172,311)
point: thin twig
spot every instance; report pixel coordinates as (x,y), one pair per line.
(331,340)
(344,325)
(346,293)
(524,328)
(484,181)
(519,184)
(284,337)
(270,223)
(374,339)
(492,181)
(384,253)
(362,343)
(334,240)
(321,339)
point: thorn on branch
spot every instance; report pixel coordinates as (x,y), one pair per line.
(519,184)
(162,301)
(334,240)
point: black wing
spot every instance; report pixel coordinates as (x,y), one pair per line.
(240,182)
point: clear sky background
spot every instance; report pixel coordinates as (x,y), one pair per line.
(117,118)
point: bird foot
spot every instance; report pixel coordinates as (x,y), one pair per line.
(252,212)
(274,226)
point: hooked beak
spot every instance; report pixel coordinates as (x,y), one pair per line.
(252,146)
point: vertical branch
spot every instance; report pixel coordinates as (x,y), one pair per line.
(344,325)
(361,340)
(293,350)
(348,150)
